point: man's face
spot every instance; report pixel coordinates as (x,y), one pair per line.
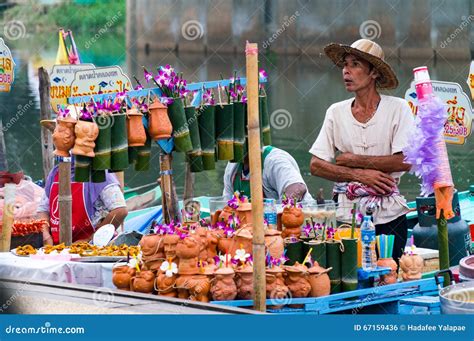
(357,73)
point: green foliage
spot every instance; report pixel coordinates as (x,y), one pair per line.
(78,16)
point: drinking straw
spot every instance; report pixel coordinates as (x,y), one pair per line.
(354,206)
(378,244)
(308,255)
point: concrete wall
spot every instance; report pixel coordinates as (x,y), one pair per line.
(405,28)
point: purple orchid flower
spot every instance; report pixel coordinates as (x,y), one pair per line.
(148,75)
(262,74)
(138,87)
(64,112)
(233,203)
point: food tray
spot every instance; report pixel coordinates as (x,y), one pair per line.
(103,259)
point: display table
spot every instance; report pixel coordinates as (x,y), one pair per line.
(93,274)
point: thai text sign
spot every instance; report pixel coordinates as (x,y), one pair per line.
(100,80)
(458,106)
(7,67)
(61,77)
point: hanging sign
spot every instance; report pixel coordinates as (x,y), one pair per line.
(459,111)
(7,67)
(470,79)
(100,80)
(61,77)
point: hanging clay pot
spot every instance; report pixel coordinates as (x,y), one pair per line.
(135,129)
(159,126)
(223,287)
(390,278)
(274,243)
(187,250)
(242,240)
(143,281)
(122,275)
(63,136)
(244,282)
(166,286)
(412,266)
(244,212)
(319,280)
(86,133)
(292,218)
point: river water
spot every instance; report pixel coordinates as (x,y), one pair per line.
(300,88)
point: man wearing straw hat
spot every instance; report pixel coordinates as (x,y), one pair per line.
(360,143)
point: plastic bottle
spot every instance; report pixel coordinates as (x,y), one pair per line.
(367,235)
(270,212)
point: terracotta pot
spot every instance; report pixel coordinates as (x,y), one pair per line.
(159,124)
(153,254)
(244,282)
(274,243)
(202,234)
(390,278)
(319,280)
(135,129)
(244,212)
(225,214)
(412,266)
(292,217)
(63,136)
(86,133)
(223,287)
(225,244)
(121,276)
(212,243)
(194,287)
(242,240)
(187,250)
(166,286)
(296,280)
(143,281)
(275,285)
(170,242)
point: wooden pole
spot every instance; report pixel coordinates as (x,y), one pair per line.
(188,184)
(7,223)
(167,189)
(45,114)
(3,152)
(255,159)
(65,201)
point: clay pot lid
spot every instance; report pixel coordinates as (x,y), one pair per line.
(243,233)
(157,105)
(244,206)
(224,271)
(134,112)
(274,269)
(296,268)
(316,269)
(247,268)
(272,232)
(48,124)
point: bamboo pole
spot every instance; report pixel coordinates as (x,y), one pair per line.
(168,192)
(3,153)
(443,246)
(7,224)
(65,201)
(188,184)
(255,159)
(45,114)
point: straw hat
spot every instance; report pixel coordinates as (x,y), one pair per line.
(369,51)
